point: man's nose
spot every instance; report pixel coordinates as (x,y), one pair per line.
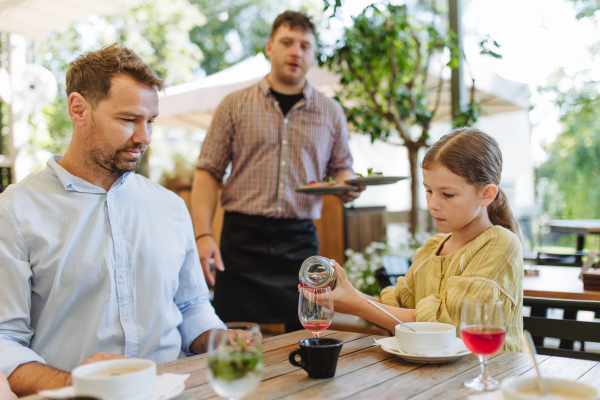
(142,133)
(297,50)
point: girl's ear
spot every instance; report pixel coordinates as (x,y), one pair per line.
(488,195)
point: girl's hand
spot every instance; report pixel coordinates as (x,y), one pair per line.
(345,297)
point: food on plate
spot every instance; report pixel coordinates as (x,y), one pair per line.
(370,173)
(320,184)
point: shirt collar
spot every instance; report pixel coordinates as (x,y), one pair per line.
(72,183)
(307,90)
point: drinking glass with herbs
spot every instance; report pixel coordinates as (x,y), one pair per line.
(235,359)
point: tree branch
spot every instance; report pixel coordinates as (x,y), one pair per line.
(402,130)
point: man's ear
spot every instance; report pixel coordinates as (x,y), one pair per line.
(78,105)
(488,195)
(268,47)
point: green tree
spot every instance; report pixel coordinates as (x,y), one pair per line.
(383,60)
(568,182)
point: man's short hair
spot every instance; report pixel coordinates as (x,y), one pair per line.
(294,20)
(90,74)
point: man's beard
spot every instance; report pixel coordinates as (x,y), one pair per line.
(113,160)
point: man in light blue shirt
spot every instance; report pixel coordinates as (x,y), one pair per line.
(95,258)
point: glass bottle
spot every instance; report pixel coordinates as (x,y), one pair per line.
(317,272)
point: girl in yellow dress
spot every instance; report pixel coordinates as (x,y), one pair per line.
(478,254)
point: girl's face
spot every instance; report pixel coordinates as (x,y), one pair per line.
(453,202)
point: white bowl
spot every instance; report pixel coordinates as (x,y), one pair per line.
(128,386)
(511,387)
(430,338)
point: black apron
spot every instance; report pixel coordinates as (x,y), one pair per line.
(262,257)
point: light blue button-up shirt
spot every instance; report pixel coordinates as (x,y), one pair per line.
(84,270)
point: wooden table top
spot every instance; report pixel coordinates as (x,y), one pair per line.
(582,226)
(558,283)
(365,371)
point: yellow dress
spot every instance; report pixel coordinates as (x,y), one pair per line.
(488,267)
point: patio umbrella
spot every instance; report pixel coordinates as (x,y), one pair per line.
(191,105)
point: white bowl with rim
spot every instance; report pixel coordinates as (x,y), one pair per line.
(124,379)
(512,388)
(429,338)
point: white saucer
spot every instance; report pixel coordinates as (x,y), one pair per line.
(390,345)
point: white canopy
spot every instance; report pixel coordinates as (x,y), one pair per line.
(37,18)
(191,105)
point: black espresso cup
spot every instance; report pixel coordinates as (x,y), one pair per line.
(318,357)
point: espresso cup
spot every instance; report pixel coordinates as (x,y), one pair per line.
(318,357)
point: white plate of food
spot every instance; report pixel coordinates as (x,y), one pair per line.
(390,345)
(375,180)
(320,188)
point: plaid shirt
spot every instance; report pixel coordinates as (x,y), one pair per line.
(272,154)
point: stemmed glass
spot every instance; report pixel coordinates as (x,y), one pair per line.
(315,309)
(483,330)
(235,359)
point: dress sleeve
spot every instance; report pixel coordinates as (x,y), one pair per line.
(495,273)
(341,159)
(216,152)
(403,295)
(15,297)
(192,295)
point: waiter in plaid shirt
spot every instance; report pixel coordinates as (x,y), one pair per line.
(278,134)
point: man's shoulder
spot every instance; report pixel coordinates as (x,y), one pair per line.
(321,100)
(240,96)
(36,184)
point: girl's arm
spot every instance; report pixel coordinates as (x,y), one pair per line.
(348,300)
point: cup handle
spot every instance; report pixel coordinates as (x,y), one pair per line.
(292,358)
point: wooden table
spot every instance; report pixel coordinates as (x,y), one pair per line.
(581,227)
(558,283)
(365,371)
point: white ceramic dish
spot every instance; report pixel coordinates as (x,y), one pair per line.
(390,345)
(511,387)
(375,180)
(430,338)
(130,386)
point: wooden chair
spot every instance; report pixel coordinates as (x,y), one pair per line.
(563,329)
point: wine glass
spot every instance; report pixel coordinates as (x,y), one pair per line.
(315,309)
(235,359)
(483,330)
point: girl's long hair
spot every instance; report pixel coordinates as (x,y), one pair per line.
(475,155)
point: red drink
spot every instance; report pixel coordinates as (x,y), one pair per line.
(316,326)
(483,339)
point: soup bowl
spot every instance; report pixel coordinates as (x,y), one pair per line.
(514,389)
(429,338)
(126,379)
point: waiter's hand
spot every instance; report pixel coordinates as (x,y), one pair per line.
(350,195)
(207,250)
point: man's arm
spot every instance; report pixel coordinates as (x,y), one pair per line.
(204,200)
(32,377)
(200,345)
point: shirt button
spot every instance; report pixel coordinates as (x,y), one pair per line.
(127,319)
(122,276)
(117,233)
(284,141)
(280,184)
(285,121)
(283,163)
(279,209)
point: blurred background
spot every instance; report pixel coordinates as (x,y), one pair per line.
(529,77)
